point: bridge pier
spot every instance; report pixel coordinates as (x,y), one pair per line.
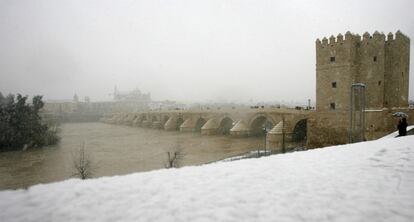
(187,126)
(192,124)
(156,125)
(279,136)
(171,124)
(210,127)
(146,123)
(240,129)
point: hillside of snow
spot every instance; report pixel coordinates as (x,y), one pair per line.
(370,181)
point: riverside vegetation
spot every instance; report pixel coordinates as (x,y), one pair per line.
(21,126)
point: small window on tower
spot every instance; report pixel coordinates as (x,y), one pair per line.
(332,106)
(375,58)
(333,84)
(379,82)
(332,58)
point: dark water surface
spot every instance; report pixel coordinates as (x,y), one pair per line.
(114,150)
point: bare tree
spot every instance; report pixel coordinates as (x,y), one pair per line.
(174,159)
(82,164)
(175,156)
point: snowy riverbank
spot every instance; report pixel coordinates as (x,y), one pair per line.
(370,181)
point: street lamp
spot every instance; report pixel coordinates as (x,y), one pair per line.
(265,135)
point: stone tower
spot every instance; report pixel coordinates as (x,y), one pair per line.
(381,63)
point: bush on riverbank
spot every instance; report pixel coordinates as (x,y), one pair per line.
(21,125)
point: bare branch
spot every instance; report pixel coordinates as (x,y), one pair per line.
(82,164)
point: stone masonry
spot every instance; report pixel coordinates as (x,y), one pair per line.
(381,63)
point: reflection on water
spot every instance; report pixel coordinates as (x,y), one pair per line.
(114,150)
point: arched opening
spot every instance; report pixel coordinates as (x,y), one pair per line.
(225,125)
(200,122)
(139,119)
(260,124)
(299,132)
(134,119)
(180,121)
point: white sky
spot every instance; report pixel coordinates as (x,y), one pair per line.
(180,50)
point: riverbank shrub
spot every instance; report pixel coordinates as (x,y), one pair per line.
(21,125)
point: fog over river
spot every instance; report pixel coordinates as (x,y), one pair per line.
(114,150)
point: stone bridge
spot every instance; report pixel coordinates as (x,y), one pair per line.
(280,125)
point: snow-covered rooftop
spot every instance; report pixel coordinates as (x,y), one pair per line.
(370,181)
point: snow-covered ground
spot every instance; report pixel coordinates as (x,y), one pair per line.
(370,181)
(395,134)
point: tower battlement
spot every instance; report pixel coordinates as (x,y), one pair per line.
(380,62)
(366,38)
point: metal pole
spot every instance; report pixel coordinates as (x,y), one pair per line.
(283,134)
(363,115)
(265,132)
(357,106)
(351,108)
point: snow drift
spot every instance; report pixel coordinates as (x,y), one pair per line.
(370,181)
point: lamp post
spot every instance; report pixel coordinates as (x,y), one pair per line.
(283,134)
(265,135)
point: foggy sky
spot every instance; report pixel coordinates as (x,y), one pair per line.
(180,50)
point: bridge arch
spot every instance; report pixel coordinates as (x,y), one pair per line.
(125,117)
(199,123)
(134,119)
(179,122)
(164,119)
(138,120)
(259,122)
(225,124)
(299,131)
(154,118)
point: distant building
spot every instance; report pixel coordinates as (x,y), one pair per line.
(131,96)
(75,111)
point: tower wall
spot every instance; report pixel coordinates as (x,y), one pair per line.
(371,68)
(335,71)
(381,64)
(397,70)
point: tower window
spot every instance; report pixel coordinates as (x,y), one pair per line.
(332,106)
(375,58)
(379,82)
(333,84)
(332,58)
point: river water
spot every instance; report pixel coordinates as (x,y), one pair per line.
(114,150)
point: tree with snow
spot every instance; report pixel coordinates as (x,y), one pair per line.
(20,123)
